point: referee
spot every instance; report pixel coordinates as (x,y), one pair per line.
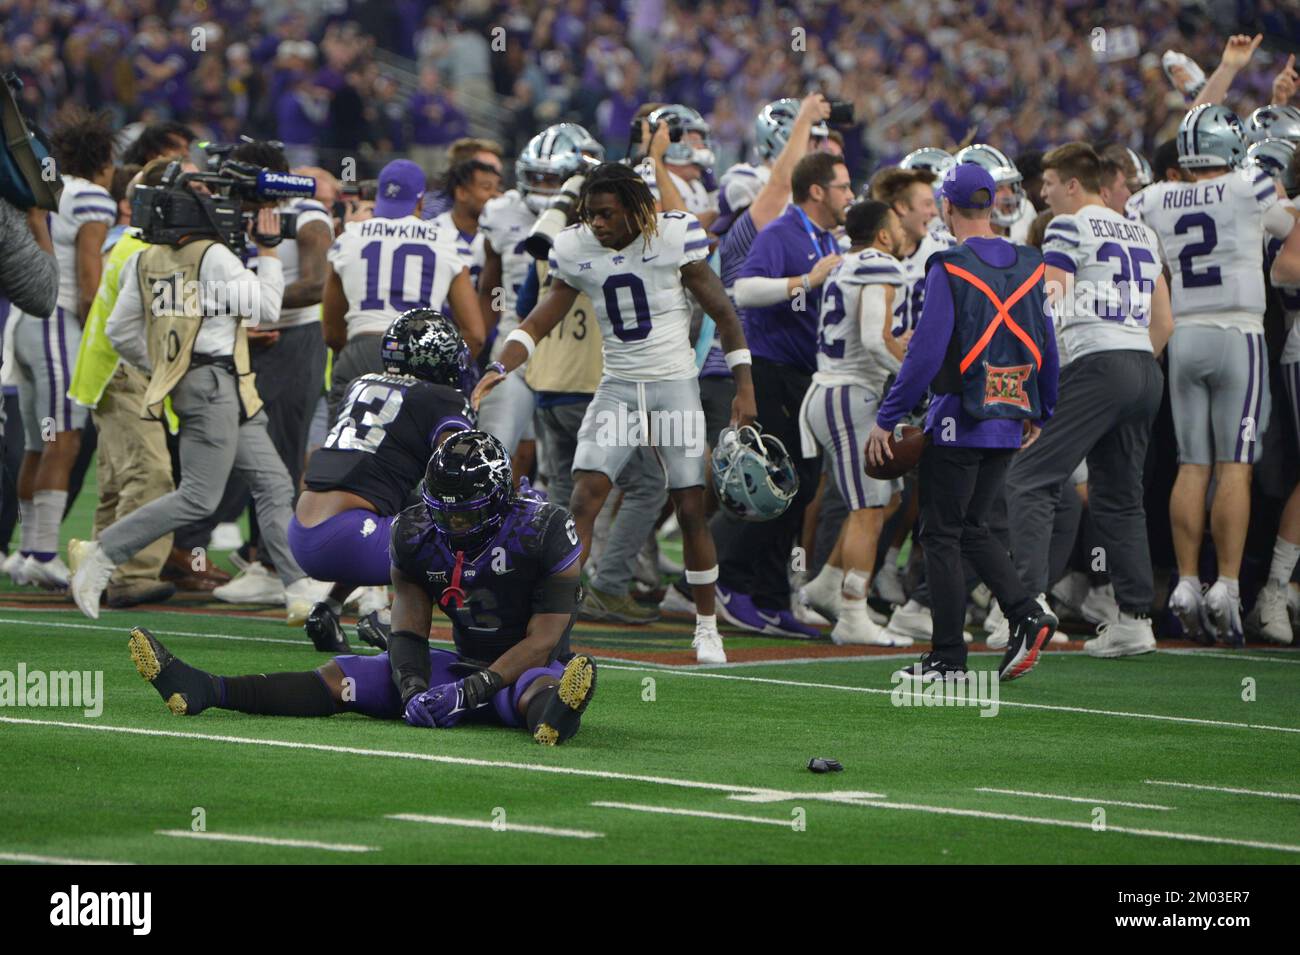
(984,346)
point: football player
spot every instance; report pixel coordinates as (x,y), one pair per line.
(689,162)
(45,346)
(386,265)
(1110,302)
(853,361)
(504,570)
(1013,213)
(636,265)
(472,185)
(360,478)
(1212,226)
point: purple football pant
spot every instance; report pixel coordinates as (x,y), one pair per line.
(374,694)
(349,548)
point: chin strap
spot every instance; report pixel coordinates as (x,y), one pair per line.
(453,597)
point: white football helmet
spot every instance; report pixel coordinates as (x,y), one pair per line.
(1008,206)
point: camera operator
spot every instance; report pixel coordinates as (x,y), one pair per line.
(183,321)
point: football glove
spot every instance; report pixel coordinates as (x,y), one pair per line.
(444,706)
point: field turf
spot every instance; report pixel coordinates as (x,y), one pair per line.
(673,764)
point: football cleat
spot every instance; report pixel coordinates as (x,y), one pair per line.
(94,570)
(300,597)
(855,628)
(325,631)
(252,585)
(708,645)
(1268,618)
(563,712)
(1100,606)
(1185,604)
(1125,637)
(50,574)
(930,669)
(1221,614)
(374,628)
(185,690)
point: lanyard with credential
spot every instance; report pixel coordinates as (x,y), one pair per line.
(812,232)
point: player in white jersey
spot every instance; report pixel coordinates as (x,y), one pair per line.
(637,265)
(1211,228)
(853,363)
(386,265)
(1110,303)
(1269,617)
(688,161)
(45,346)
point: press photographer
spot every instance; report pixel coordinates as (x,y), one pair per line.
(184,322)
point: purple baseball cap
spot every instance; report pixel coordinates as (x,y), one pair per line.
(965,179)
(400,183)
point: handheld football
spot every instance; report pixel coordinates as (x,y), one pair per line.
(907,442)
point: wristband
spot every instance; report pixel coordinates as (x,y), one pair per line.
(499,368)
(806,282)
(738,357)
(523,338)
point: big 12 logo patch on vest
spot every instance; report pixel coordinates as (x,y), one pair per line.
(1005,385)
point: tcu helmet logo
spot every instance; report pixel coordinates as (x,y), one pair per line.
(1006,385)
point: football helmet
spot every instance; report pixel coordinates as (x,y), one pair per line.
(683,152)
(931,158)
(1273,122)
(1209,136)
(550,157)
(773,125)
(1274,156)
(753,474)
(588,144)
(467,488)
(1142,175)
(423,343)
(1007,208)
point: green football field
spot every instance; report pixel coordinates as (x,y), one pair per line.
(1178,757)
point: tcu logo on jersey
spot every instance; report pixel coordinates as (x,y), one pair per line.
(1006,385)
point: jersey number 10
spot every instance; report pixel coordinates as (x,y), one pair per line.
(427,261)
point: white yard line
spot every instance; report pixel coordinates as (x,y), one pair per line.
(698,813)
(1230,656)
(265,840)
(54,860)
(1222,789)
(1072,824)
(499,827)
(878,691)
(832,796)
(1082,799)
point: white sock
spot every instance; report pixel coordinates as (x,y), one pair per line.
(26,526)
(1285,557)
(855,586)
(708,621)
(1194,582)
(828,578)
(891,561)
(49,507)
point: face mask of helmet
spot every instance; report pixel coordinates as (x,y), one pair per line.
(753,474)
(467,489)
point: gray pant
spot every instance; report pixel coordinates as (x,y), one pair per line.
(360,356)
(641,481)
(1108,401)
(212,442)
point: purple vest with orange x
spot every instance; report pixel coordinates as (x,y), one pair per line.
(1000,326)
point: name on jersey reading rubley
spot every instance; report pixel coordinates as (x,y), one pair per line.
(1204,196)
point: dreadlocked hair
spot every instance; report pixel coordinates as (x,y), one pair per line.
(83,143)
(625,184)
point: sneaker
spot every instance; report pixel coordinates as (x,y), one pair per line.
(1028,637)
(783,623)
(855,628)
(255,585)
(1268,618)
(374,629)
(94,570)
(138,592)
(179,570)
(52,574)
(825,602)
(1126,637)
(325,631)
(708,645)
(1221,615)
(368,600)
(888,584)
(13,566)
(1071,591)
(1185,604)
(911,620)
(563,711)
(616,608)
(808,616)
(299,599)
(982,597)
(226,537)
(186,691)
(996,620)
(928,670)
(737,609)
(1099,606)
(1000,636)
(676,602)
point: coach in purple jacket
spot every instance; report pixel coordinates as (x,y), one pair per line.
(985,346)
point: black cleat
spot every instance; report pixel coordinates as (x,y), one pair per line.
(930,669)
(563,712)
(325,631)
(1028,637)
(185,690)
(373,631)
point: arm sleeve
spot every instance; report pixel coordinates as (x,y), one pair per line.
(125,326)
(924,353)
(560,543)
(29,276)
(1277,221)
(755,291)
(871,305)
(221,266)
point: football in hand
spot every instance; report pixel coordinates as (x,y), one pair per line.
(907,442)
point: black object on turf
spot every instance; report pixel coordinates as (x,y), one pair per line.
(325,631)
(373,631)
(823,764)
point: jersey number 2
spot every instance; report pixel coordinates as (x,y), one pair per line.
(1209,239)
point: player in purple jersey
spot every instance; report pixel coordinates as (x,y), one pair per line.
(504,570)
